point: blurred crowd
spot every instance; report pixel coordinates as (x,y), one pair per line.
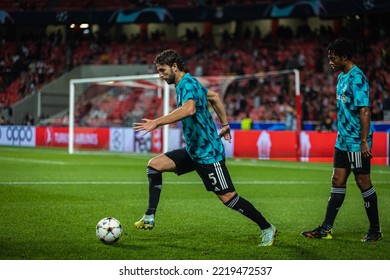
(28,62)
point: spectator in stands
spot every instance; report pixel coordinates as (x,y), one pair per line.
(2,120)
(376,110)
(28,119)
(290,117)
(386,105)
(319,61)
(326,123)
(301,61)
(246,123)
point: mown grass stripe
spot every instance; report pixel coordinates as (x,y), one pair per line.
(172,183)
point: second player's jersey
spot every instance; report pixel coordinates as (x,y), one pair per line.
(200,133)
(352,93)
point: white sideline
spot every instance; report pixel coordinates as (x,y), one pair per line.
(173,183)
(235,162)
(33,160)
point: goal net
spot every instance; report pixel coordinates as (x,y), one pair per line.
(269,100)
(102,110)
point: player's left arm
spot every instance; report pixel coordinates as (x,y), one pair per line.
(365,122)
(187,109)
(362,101)
(216,103)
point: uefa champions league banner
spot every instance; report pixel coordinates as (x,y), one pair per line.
(121,140)
(129,141)
(267,10)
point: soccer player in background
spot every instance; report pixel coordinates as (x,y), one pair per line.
(204,151)
(353,144)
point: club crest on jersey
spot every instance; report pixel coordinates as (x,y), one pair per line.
(343,98)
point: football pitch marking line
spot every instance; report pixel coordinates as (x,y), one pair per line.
(290,165)
(234,162)
(165,183)
(53,162)
(174,183)
(27,160)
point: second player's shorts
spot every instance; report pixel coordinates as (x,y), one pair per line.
(353,161)
(215,176)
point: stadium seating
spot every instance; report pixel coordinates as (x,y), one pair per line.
(229,61)
(236,55)
(23,5)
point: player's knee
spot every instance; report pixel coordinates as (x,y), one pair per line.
(155,163)
(151,162)
(363,181)
(226,197)
(162,163)
(359,181)
(337,180)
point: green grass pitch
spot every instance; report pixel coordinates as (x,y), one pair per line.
(50,203)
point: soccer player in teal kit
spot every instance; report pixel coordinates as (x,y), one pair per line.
(353,143)
(204,151)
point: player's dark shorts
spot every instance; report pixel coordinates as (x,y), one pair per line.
(215,176)
(353,161)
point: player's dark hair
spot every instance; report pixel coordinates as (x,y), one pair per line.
(170,57)
(342,47)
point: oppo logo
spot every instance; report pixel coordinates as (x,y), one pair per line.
(16,135)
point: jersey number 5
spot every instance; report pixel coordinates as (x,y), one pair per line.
(213,179)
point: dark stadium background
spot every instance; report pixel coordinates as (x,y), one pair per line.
(42,41)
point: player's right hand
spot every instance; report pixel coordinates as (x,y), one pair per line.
(225,133)
(147,125)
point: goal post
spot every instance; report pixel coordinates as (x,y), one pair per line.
(298,104)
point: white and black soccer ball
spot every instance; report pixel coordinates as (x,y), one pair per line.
(109,230)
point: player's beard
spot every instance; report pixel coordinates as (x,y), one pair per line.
(171,78)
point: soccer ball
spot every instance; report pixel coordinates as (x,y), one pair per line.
(109,230)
